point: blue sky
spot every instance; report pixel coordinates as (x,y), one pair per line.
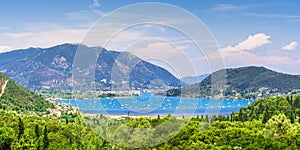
(261,33)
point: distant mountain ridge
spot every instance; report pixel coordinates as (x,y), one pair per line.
(50,69)
(194,79)
(246,83)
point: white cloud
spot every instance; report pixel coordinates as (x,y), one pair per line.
(95,4)
(18,35)
(226,7)
(5,49)
(290,46)
(274,61)
(4,28)
(84,14)
(241,55)
(43,38)
(156,49)
(273,16)
(167,55)
(252,42)
(92,14)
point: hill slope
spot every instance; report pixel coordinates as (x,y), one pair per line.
(51,68)
(246,82)
(16,98)
(263,109)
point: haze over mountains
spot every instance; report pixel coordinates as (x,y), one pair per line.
(194,79)
(51,69)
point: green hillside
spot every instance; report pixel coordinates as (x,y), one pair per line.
(19,99)
(264,109)
(246,83)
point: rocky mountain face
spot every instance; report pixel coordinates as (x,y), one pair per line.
(51,69)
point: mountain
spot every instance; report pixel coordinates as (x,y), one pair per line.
(14,97)
(245,82)
(194,79)
(51,69)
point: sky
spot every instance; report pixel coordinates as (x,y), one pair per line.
(260,33)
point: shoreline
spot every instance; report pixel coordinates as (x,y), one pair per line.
(119,116)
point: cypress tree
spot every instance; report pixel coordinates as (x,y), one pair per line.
(46,139)
(296,102)
(241,115)
(21,128)
(260,108)
(289,100)
(292,118)
(267,115)
(37,131)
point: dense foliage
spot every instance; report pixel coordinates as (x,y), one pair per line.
(34,132)
(264,109)
(19,99)
(266,124)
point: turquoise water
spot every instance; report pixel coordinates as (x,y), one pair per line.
(148,105)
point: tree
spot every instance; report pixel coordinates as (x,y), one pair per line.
(292,117)
(6,138)
(241,115)
(231,117)
(37,131)
(21,128)
(284,106)
(267,115)
(46,139)
(277,127)
(260,108)
(296,103)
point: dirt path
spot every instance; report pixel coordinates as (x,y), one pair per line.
(3,88)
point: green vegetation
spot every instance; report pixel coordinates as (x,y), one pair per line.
(19,131)
(264,109)
(21,100)
(270,123)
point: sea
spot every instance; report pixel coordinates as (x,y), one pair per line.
(148,104)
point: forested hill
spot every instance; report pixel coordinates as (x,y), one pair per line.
(16,98)
(247,83)
(265,108)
